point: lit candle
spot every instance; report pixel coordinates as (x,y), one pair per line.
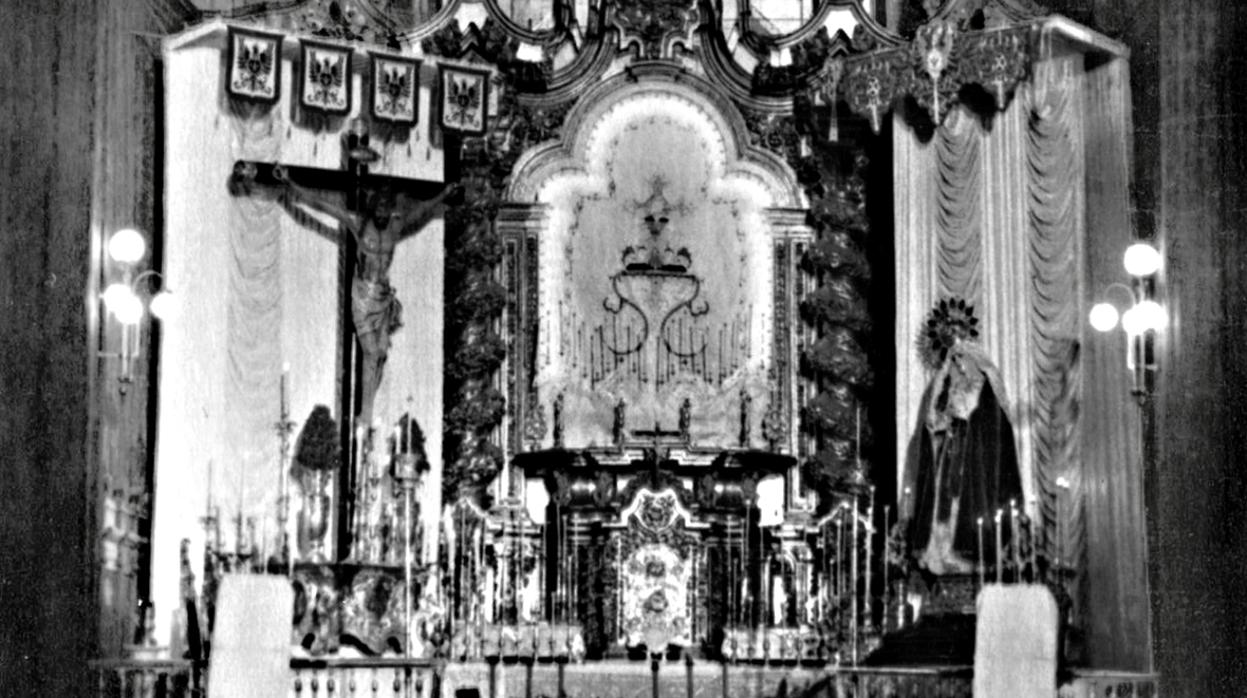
(839,588)
(1034,539)
(870,544)
(857,444)
(982,568)
(999,547)
(1062,485)
(853,583)
(1016,541)
(357,456)
(411,425)
(887,539)
(285,387)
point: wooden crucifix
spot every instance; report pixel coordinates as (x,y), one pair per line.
(377,222)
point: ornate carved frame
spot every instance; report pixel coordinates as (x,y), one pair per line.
(519,225)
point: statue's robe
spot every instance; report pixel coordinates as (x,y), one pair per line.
(966,468)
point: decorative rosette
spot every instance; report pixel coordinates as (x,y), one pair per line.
(952,319)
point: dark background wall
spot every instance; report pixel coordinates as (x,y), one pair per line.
(47,615)
(72,130)
(79,161)
(1188,68)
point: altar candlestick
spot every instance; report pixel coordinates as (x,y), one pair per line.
(999,548)
(1015,540)
(982,567)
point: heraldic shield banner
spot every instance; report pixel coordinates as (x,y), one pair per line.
(254,71)
(395,89)
(464,98)
(325,78)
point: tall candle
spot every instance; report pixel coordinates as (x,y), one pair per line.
(1062,485)
(1015,540)
(853,584)
(999,548)
(361,433)
(870,544)
(839,546)
(1034,540)
(285,378)
(857,444)
(887,540)
(411,424)
(982,567)
(242,507)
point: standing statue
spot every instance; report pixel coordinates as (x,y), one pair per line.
(965,465)
(377,229)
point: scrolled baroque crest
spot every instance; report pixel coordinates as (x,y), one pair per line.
(933,68)
(775,132)
(935,74)
(998,61)
(872,85)
(347,20)
(655,26)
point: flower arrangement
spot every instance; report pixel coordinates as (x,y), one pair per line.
(317,448)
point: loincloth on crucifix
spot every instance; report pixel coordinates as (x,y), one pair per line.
(377,313)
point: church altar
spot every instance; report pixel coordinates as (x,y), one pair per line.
(526,373)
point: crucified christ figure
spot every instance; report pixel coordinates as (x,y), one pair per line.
(377,229)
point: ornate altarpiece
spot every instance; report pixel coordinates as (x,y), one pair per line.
(656,292)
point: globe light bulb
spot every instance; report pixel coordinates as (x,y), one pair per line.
(1153,315)
(115,295)
(127,246)
(1141,259)
(1103,317)
(128,309)
(164,306)
(1133,321)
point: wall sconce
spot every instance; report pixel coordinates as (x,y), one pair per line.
(1141,320)
(124,299)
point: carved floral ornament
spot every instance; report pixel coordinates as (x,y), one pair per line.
(932,69)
